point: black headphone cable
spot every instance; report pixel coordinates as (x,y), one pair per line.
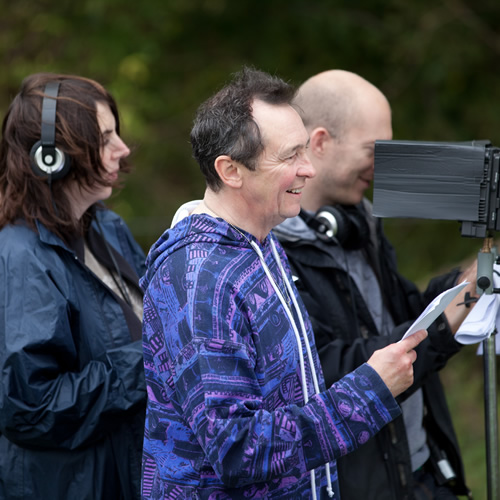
(121,284)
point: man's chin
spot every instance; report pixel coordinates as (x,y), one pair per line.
(348,200)
(290,214)
(357,197)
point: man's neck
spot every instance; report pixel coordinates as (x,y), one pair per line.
(221,205)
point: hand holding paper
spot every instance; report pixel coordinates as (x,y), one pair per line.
(434,309)
(394,363)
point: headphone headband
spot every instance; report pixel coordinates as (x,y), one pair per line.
(48,129)
(47,160)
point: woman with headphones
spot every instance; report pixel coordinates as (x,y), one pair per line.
(72,390)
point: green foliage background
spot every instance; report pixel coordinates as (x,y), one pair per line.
(436,61)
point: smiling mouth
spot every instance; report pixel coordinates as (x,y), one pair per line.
(294,191)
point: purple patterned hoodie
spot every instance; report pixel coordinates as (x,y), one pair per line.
(227,416)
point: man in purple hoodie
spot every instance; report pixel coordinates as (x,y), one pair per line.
(237,405)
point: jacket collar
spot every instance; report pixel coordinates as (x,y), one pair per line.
(50,238)
(295,229)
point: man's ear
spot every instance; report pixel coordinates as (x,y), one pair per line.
(318,140)
(229,171)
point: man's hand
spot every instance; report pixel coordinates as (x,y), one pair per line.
(394,363)
(457,311)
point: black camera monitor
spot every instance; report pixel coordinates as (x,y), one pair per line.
(439,180)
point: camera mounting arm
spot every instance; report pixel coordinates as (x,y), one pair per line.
(485,260)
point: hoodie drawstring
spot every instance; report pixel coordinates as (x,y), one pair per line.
(299,345)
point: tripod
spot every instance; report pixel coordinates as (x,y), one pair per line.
(485,261)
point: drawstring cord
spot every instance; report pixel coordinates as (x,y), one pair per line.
(309,352)
(299,344)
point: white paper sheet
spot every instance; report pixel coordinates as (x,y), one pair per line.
(434,309)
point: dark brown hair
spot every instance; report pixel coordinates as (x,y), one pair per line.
(224,124)
(27,196)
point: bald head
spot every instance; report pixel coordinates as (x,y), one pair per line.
(344,115)
(336,100)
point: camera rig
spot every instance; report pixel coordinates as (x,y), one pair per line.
(450,181)
(439,180)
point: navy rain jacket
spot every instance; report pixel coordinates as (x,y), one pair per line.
(72,389)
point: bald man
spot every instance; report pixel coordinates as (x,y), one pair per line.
(357,300)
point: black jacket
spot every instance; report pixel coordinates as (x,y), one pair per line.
(346,336)
(72,388)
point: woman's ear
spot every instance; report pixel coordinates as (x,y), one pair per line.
(229,171)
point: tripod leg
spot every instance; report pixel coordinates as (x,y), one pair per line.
(491,417)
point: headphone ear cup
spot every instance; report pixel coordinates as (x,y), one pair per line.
(331,224)
(55,166)
(345,224)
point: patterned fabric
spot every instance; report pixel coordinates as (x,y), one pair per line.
(226,417)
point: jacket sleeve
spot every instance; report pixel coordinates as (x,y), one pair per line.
(327,427)
(216,390)
(54,393)
(344,341)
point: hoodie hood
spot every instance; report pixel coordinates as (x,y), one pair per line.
(184,210)
(188,229)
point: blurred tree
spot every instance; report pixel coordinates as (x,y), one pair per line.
(434,61)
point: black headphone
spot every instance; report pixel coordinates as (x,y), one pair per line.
(342,224)
(47,160)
